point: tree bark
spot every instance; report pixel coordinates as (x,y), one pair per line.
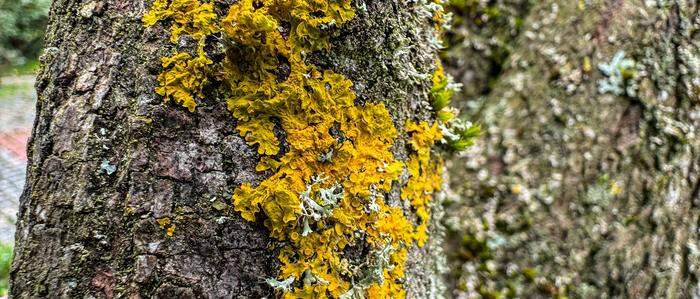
(576,190)
(107,159)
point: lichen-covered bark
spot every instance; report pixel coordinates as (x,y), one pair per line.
(574,190)
(113,171)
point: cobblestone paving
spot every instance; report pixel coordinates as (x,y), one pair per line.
(17,100)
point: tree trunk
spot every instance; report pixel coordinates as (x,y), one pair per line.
(586,183)
(130,197)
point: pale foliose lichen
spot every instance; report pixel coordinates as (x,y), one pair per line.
(620,75)
(107,167)
(334,168)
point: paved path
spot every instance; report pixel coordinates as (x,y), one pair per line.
(17,100)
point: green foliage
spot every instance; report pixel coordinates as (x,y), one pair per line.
(441,94)
(13,90)
(22,24)
(467,135)
(5,263)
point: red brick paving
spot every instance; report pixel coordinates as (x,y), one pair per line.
(15,142)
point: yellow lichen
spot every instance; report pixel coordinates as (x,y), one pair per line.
(184,79)
(439,93)
(615,188)
(331,158)
(167,225)
(425,173)
(186,76)
(189,17)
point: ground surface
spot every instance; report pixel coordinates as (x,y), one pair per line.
(17,98)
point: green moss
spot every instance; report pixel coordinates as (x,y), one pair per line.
(530,273)
(474,248)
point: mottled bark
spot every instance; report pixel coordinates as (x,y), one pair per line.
(108,158)
(574,190)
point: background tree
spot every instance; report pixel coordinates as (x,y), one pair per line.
(586,183)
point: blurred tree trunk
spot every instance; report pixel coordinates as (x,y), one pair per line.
(578,188)
(108,159)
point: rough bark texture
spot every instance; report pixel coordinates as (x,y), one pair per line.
(573,191)
(107,158)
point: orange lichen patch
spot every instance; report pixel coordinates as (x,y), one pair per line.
(249,26)
(331,178)
(167,225)
(423,137)
(189,17)
(185,78)
(394,225)
(425,173)
(439,15)
(260,131)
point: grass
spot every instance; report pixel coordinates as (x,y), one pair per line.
(12,90)
(28,68)
(15,88)
(5,263)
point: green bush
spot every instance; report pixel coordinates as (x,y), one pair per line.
(22,24)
